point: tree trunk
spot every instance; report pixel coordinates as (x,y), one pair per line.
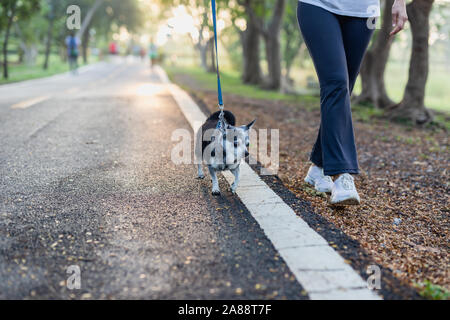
(31,54)
(5,42)
(85,45)
(200,44)
(203,56)
(374,65)
(49,35)
(271,36)
(291,50)
(21,56)
(87,19)
(212,53)
(412,106)
(273,57)
(272,45)
(250,41)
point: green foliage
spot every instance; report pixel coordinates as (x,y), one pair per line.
(231,84)
(114,14)
(365,113)
(17,9)
(21,72)
(234,48)
(291,37)
(431,291)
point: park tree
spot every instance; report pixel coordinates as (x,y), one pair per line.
(110,17)
(202,39)
(412,107)
(374,63)
(100,16)
(29,34)
(268,16)
(87,20)
(293,41)
(245,25)
(53,8)
(12,10)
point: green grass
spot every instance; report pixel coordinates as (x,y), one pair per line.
(432,291)
(21,72)
(437,94)
(231,84)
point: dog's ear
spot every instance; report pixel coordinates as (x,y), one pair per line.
(250,125)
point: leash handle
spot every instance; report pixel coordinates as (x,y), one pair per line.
(219,87)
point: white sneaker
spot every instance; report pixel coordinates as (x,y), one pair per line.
(316,178)
(344,191)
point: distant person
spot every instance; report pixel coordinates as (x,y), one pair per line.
(113,48)
(142,53)
(72,43)
(153,54)
(337,33)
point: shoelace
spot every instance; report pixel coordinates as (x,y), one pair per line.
(347,182)
(326,179)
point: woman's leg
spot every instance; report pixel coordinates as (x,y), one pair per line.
(323,32)
(334,149)
(356,36)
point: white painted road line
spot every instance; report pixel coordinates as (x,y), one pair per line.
(321,271)
(28,103)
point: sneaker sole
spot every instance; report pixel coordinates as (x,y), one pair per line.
(310,181)
(326,191)
(346,202)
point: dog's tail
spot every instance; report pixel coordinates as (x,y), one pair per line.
(229,117)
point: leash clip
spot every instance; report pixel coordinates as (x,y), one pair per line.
(221,125)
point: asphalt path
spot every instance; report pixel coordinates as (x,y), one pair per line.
(86,180)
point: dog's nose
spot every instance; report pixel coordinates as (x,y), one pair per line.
(213,153)
(246,153)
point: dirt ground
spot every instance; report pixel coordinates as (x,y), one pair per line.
(403,221)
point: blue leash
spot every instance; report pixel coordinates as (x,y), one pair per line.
(221,124)
(219,87)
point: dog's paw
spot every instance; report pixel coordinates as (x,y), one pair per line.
(232,190)
(215,192)
(201,177)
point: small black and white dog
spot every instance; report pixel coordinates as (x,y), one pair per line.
(222,150)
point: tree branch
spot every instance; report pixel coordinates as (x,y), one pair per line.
(258,22)
(88,18)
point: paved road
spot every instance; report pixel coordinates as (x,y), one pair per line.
(86,179)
